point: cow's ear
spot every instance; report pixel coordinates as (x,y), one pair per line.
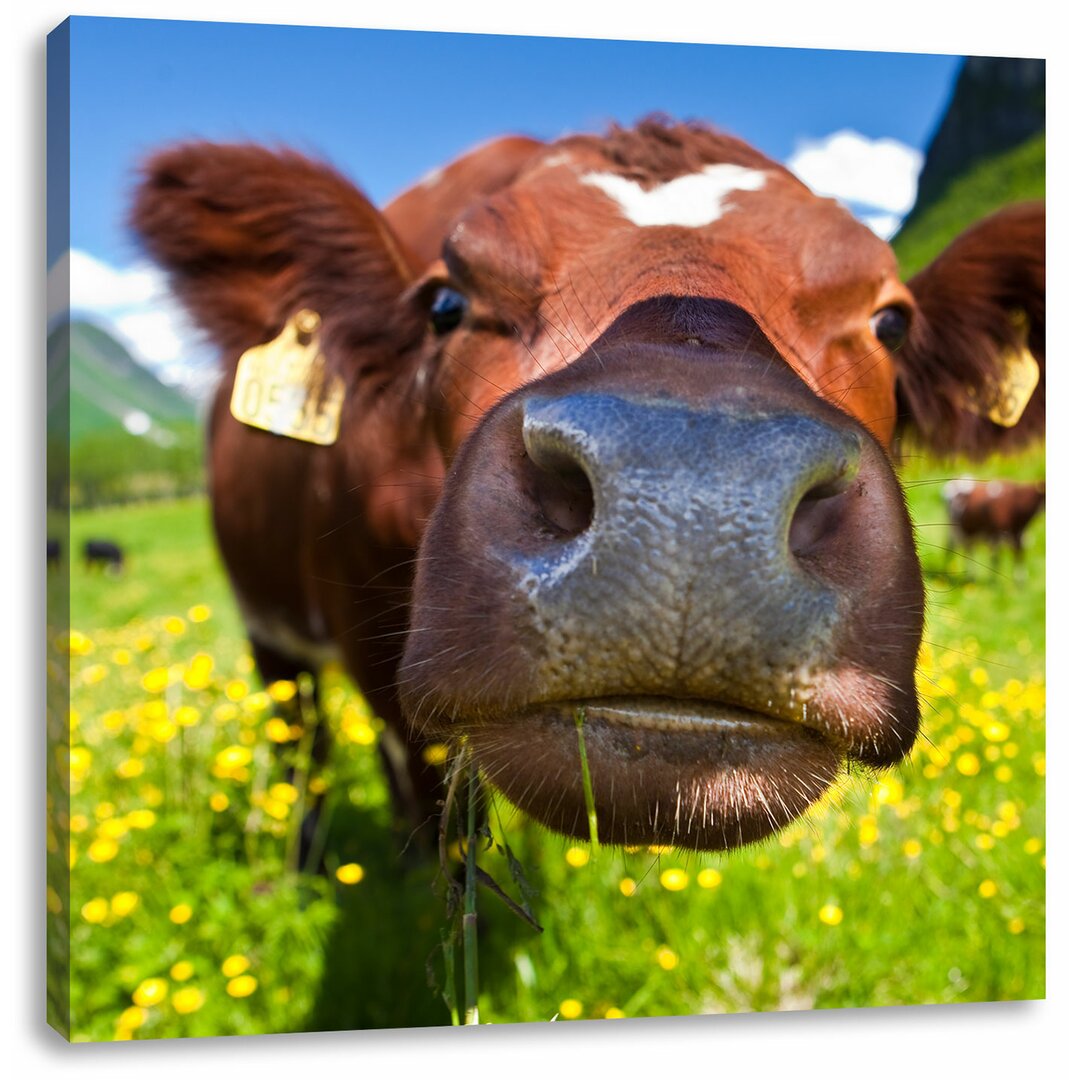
(971,376)
(423,213)
(250,236)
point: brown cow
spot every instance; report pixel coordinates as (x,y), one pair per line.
(614,414)
(997,511)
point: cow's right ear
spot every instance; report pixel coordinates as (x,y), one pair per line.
(971,374)
(250,236)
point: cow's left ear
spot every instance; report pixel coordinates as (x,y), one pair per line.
(971,376)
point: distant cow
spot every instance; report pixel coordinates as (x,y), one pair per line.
(997,511)
(591,431)
(103,554)
(52,553)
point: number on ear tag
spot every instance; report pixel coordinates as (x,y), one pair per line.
(282,386)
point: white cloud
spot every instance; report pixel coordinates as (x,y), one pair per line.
(133,304)
(881,174)
(153,335)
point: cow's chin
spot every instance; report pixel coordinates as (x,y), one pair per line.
(689,774)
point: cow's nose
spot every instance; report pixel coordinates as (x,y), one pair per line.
(660,547)
(659,476)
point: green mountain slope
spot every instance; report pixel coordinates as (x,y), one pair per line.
(1015,175)
(106,385)
(94,386)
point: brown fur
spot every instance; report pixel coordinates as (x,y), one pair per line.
(772,303)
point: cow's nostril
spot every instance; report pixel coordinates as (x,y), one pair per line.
(562,491)
(821,510)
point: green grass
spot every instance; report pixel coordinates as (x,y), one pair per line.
(923,884)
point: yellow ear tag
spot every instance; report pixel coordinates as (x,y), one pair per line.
(282,386)
(1005,400)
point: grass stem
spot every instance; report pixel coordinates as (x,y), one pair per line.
(468,922)
(590,803)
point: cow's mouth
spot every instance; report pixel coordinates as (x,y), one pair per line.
(694,774)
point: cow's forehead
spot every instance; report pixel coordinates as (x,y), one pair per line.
(576,201)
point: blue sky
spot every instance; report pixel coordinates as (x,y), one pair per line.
(387,106)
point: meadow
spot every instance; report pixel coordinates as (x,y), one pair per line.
(178,781)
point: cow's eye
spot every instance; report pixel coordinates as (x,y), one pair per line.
(447,310)
(890,326)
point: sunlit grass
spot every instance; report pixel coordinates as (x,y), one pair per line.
(178,782)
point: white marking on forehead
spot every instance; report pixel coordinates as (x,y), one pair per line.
(692,201)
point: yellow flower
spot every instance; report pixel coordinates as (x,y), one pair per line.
(276,809)
(199,613)
(570,1008)
(235,965)
(188,1000)
(186,716)
(996,731)
(577,856)
(94,674)
(967,764)
(124,903)
(236,689)
(911,848)
(131,1018)
(96,910)
(79,760)
(889,791)
(627,886)
(674,879)
(141,819)
(434,753)
(350,873)
(181,971)
(667,958)
(174,624)
(75,643)
(1016,925)
(150,992)
(219,801)
(831,915)
(277,730)
(709,878)
(241,986)
(282,690)
(180,914)
(79,823)
(155,680)
(285,793)
(121,657)
(1033,845)
(987,889)
(102,850)
(233,757)
(130,768)
(614,1014)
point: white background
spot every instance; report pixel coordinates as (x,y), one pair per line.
(1037,1039)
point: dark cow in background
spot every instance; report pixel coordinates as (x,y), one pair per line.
(103,554)
(994,511)
(594,431)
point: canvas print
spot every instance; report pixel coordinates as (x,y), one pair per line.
(537,532)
